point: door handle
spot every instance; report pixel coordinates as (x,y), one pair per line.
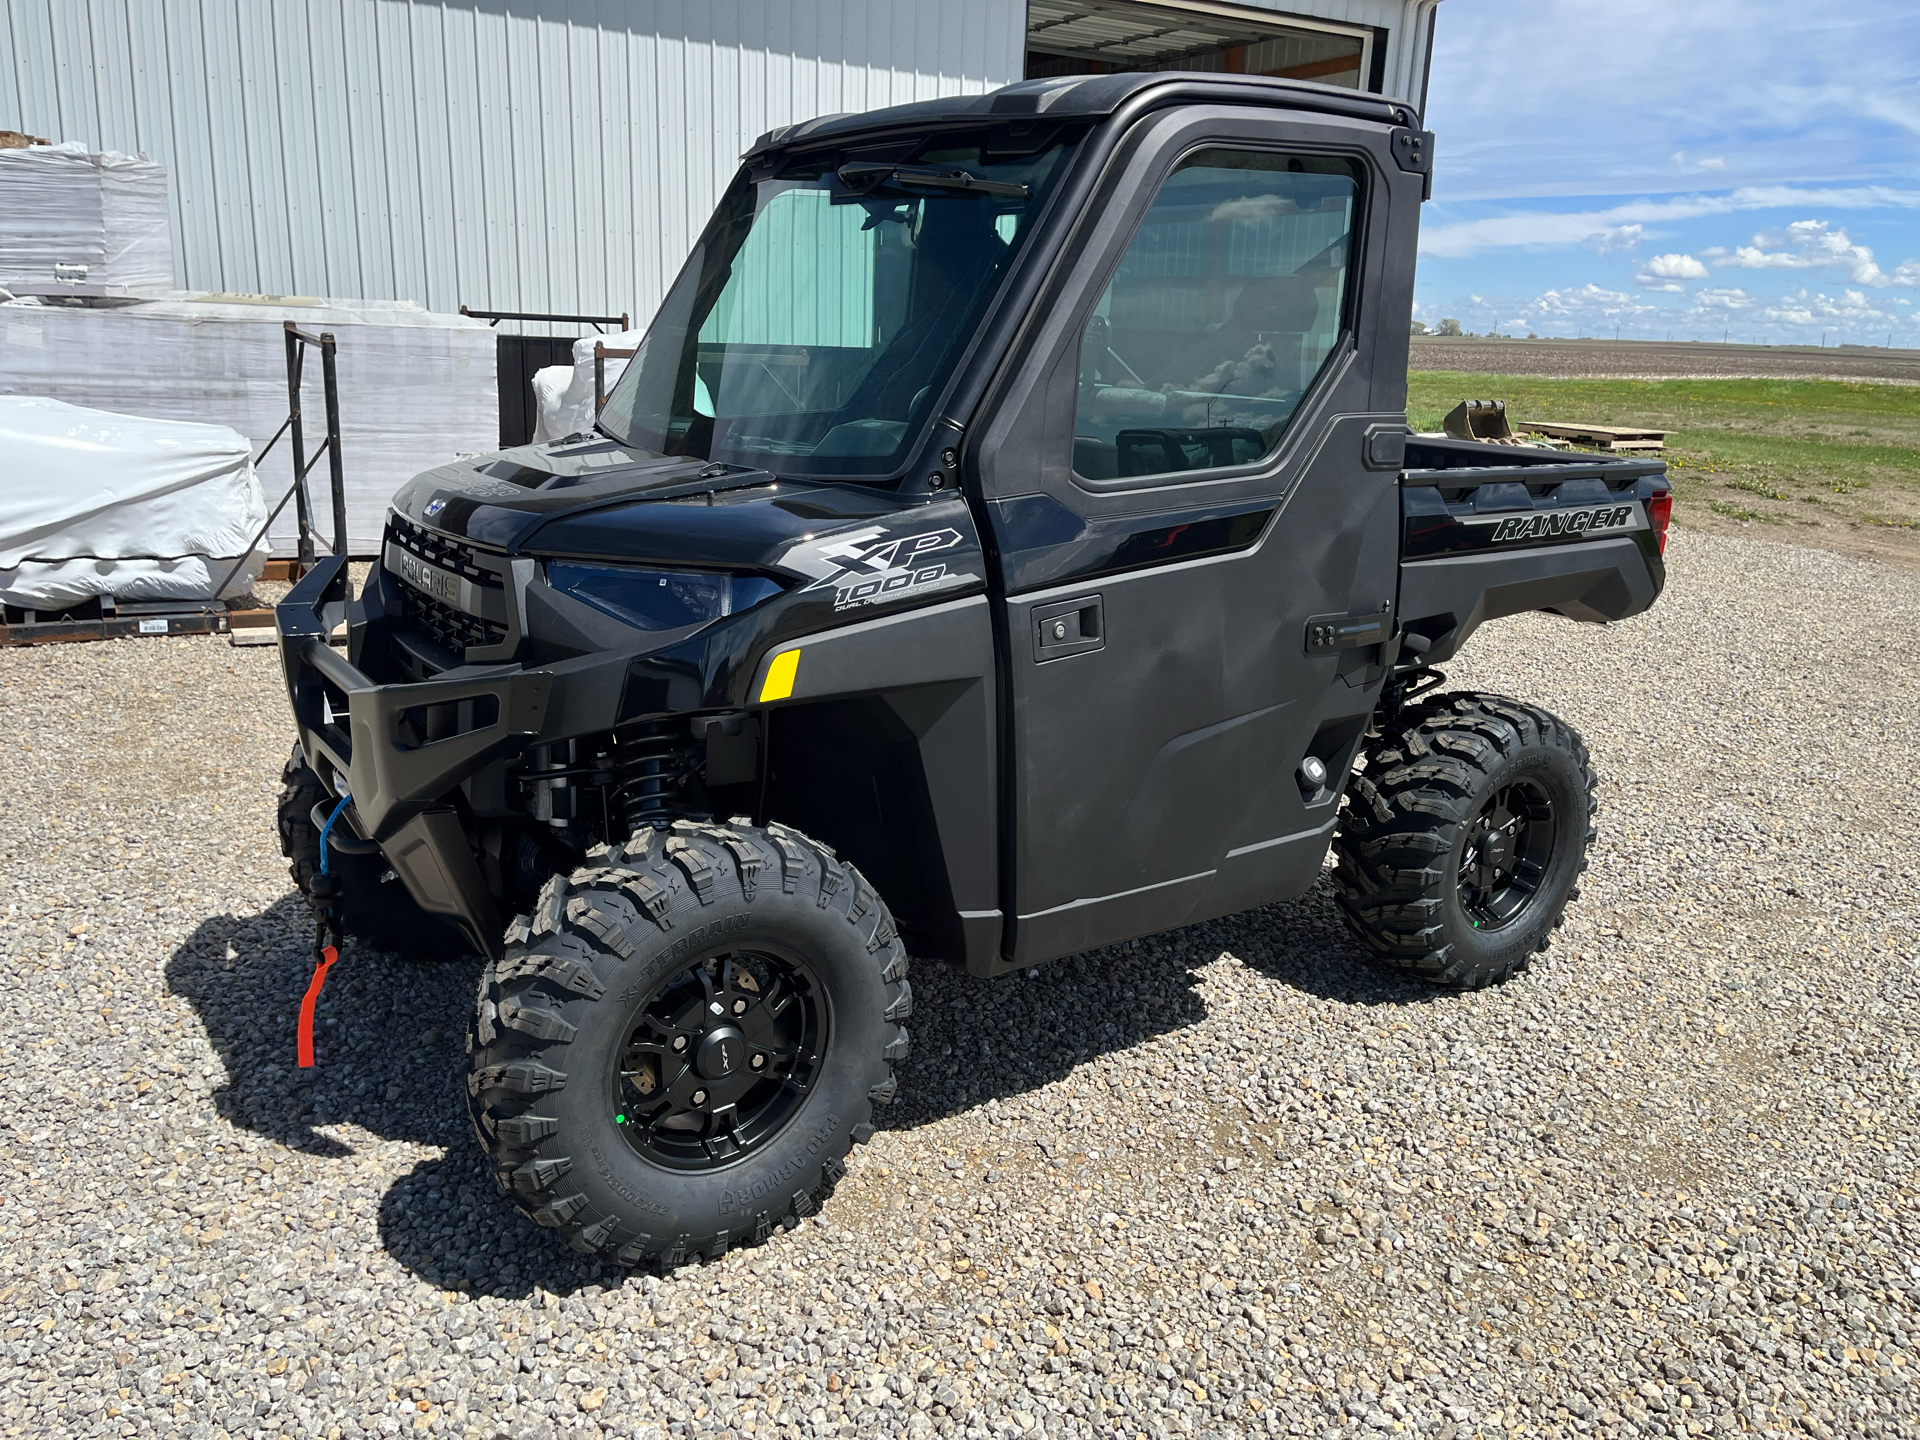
(1068,627)
(1329,633)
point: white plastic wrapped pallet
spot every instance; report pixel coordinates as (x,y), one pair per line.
(417,388)
(98,504)
(63,205)
(563,398)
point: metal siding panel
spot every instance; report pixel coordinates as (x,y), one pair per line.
(532,215)
(113,97)
(428,196)
(649,184)
(266,152)
(498,181)
(299,178)
(402,206)
(72,32)
(366,155)
(463,136)
(10,58)
(149,84)
(199,262)
(331,105)
(613,179)
(38,69)
(227,145)
(587,273)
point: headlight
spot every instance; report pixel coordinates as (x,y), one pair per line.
(659,599)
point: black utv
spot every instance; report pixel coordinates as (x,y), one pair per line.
(1007,541)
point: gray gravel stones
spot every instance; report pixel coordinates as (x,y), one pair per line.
(1226,1181)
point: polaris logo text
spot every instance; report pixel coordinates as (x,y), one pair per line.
(1552,524)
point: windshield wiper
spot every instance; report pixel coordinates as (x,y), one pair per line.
(866,176)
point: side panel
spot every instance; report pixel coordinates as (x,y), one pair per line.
(884,749)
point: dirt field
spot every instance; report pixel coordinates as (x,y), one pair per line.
(1657,360)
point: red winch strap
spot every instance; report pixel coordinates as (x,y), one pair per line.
(327,957)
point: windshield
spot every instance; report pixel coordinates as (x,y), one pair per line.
(817,322)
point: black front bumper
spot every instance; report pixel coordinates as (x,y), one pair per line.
(351,732)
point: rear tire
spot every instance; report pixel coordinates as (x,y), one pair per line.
(1460,843)
(684,1040)
(375,907)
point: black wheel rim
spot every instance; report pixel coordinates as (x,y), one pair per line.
(719,1058)
(1508,848)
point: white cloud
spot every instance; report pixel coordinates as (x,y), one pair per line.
(1665,272)
(1815,245)
(1705,162)
(1849,310)
(1722,297)
(1585,304)
(1565,228)
(1617,237)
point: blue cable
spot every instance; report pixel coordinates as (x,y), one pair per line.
(345,800)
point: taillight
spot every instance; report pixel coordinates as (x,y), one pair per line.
(1659,512)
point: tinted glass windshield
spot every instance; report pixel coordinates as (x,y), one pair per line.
(818,319)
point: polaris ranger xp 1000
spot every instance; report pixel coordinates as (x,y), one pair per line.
(1007,541)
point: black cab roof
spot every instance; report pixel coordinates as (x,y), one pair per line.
(1091,97)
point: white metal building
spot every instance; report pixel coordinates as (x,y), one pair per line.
(559,155)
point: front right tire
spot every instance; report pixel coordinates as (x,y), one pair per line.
(685,1038)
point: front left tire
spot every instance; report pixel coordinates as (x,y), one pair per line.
(685,1038)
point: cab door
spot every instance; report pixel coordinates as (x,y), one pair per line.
(1191,480)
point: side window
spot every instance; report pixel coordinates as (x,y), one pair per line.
(1223,311)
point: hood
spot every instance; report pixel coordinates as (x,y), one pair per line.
(599,500)
(499,500)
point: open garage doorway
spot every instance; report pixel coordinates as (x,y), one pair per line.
(1097,37)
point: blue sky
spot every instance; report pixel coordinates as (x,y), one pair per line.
(1686,167)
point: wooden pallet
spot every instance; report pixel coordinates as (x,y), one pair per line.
(1619,438)
(109,621)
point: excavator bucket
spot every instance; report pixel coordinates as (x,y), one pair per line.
(1481,420)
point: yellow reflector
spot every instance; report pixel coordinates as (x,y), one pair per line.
(780,676)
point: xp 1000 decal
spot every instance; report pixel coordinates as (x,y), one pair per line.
(870,566)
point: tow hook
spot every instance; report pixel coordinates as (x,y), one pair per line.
(324,892)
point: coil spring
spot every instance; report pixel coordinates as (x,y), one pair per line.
(649,761)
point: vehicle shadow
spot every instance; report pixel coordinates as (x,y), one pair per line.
(980,1040)
(389,1036)
(390,1048)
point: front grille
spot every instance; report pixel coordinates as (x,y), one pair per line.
(454,629)
(446,625)
(442,550)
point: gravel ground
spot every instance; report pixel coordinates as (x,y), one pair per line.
(1226,1181)
(1659,360)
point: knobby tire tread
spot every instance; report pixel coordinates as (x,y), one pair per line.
(1422,783)
(574,946)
